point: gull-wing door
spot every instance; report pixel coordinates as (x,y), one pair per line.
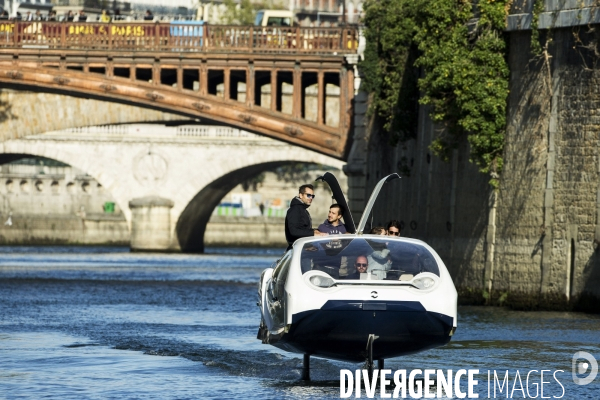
(338,195)
(369,207)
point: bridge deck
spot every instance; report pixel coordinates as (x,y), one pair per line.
(177,37)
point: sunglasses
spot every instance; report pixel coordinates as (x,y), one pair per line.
(310,196)
(394,233)
(360,265)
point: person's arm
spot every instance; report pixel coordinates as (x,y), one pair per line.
(381,255)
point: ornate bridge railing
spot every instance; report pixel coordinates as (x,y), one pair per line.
(181,37)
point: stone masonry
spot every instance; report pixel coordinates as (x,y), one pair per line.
(42,205)
(534,242)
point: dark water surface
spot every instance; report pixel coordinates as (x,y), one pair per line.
(96,323)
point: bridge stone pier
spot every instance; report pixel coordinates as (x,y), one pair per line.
(167,180)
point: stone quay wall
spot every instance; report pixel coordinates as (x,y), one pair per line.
(546,253)
(444,204)
(245,232)
(533,242)
(93,230)
(102,230)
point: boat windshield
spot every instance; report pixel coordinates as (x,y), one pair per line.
(367,258)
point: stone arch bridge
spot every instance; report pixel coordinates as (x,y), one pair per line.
(168,180)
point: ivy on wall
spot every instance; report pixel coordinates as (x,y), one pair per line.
(536,46)
(460,52)
(388,68)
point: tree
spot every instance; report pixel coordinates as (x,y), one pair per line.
(244,12)
(460,50)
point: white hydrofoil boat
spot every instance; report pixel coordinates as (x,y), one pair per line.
(316,302)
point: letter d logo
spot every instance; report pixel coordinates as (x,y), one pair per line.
(582,367)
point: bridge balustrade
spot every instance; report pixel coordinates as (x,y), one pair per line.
(140,36)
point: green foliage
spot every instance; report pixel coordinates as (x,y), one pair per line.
(503,297)
(538,8)
(235,14)
(254,183)
(243,12)
(388,66)
(464,74)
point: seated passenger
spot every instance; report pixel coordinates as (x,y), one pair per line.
(394,228)
(379,261)
(378,230)
(360,266)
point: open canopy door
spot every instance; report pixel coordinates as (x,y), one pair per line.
(369,207)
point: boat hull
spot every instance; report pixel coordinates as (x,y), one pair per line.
(340,329)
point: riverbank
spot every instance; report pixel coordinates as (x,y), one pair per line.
(111,230)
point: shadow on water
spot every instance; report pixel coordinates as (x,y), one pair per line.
(326,384)
(279,368)
(77,345)
(238,363)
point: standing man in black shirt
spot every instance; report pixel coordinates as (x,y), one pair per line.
(298,223)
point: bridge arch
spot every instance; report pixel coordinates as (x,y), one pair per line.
(191,226)
(71,154)
(169,68)
(192,219)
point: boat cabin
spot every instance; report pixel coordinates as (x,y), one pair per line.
(367,258)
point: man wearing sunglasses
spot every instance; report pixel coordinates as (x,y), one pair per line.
(360,266)
(298,223)
(393,228)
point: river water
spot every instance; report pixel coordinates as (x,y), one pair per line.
(97,323)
